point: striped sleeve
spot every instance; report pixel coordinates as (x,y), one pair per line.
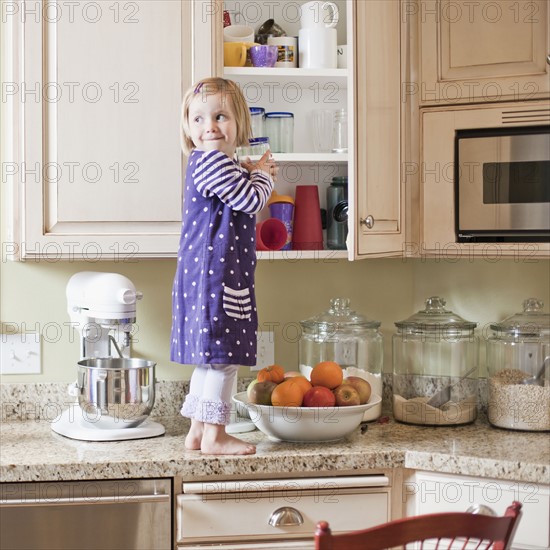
(216,174)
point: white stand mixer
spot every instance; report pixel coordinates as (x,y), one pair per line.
(102,308)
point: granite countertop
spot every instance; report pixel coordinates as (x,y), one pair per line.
(30,451)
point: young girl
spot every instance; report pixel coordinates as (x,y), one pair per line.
(214,323)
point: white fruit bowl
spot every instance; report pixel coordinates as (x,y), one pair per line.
(305,424)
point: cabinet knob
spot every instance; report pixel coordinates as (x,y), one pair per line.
(548,59)
(481,509)
(286,517)
(368,221)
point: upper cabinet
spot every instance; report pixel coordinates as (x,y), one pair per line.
(92,149)
(382,127)
(92,166)
(480,51)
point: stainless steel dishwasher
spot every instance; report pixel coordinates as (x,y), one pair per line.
(86,515)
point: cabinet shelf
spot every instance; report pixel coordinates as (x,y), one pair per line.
(307,157)
(337,75)
(295,255)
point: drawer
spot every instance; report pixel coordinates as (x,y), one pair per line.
(244,515)
(432,493)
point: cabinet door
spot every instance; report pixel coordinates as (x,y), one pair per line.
(379,211)
(429,493)
(95,111)
(482,51)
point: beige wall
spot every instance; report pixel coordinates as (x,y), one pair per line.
(33,298)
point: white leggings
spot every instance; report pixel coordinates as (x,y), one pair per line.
(209,398)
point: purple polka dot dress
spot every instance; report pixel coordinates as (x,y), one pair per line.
(214,317)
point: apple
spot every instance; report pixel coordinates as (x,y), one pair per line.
(362,386)
(260,393)
(250,386)
(346,395)
(319,396)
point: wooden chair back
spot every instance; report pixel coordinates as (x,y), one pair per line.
(443,531)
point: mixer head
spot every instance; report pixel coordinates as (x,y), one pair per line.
(97,303)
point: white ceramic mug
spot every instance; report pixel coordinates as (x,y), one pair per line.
(288,50)
(323,15)
(317,48)
(238,33)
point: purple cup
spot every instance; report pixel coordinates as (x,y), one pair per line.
(263,55)
(283,211)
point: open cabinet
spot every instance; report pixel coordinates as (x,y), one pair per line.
(368,89)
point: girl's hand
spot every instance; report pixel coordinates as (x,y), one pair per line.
(265,164)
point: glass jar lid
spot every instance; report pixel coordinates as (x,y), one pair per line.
(435,318)
(532,321)
(339,317)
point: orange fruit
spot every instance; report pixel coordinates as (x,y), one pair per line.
(328,374)
(303,382)
(275,373)
(287,394)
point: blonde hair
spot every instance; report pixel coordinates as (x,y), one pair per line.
(236,99)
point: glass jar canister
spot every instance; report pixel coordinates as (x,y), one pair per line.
(518,370)
(350,339)
(435,351)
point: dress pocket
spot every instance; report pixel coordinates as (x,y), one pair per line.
(237,303)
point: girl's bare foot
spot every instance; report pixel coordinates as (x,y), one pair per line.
(215,441)
(194,437)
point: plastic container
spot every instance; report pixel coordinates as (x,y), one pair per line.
(337,213)
(519,349)
(431,350)
(279,127)
(257,115)
(349,338)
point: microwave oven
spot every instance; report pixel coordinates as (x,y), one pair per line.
(502,184)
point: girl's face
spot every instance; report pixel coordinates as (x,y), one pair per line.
(212,123)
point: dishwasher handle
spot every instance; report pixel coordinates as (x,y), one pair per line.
(72,500)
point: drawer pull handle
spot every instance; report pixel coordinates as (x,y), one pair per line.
(481,509)
(285,517)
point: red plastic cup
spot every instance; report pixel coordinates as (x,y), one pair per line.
(271,234)
(307,232)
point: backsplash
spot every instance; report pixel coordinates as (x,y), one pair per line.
(46,401)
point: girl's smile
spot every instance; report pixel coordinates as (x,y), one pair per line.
(212,124)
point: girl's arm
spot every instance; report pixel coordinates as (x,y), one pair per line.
(216,174)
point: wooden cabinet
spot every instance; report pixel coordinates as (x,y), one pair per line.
(277,514)
(436,174)
(92,164)
(381,129)
(429,493)
(480,51)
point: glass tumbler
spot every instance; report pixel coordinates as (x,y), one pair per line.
(257,115)
(279,127)
(322,123)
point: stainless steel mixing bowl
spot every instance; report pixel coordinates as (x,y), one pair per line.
(116,393)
